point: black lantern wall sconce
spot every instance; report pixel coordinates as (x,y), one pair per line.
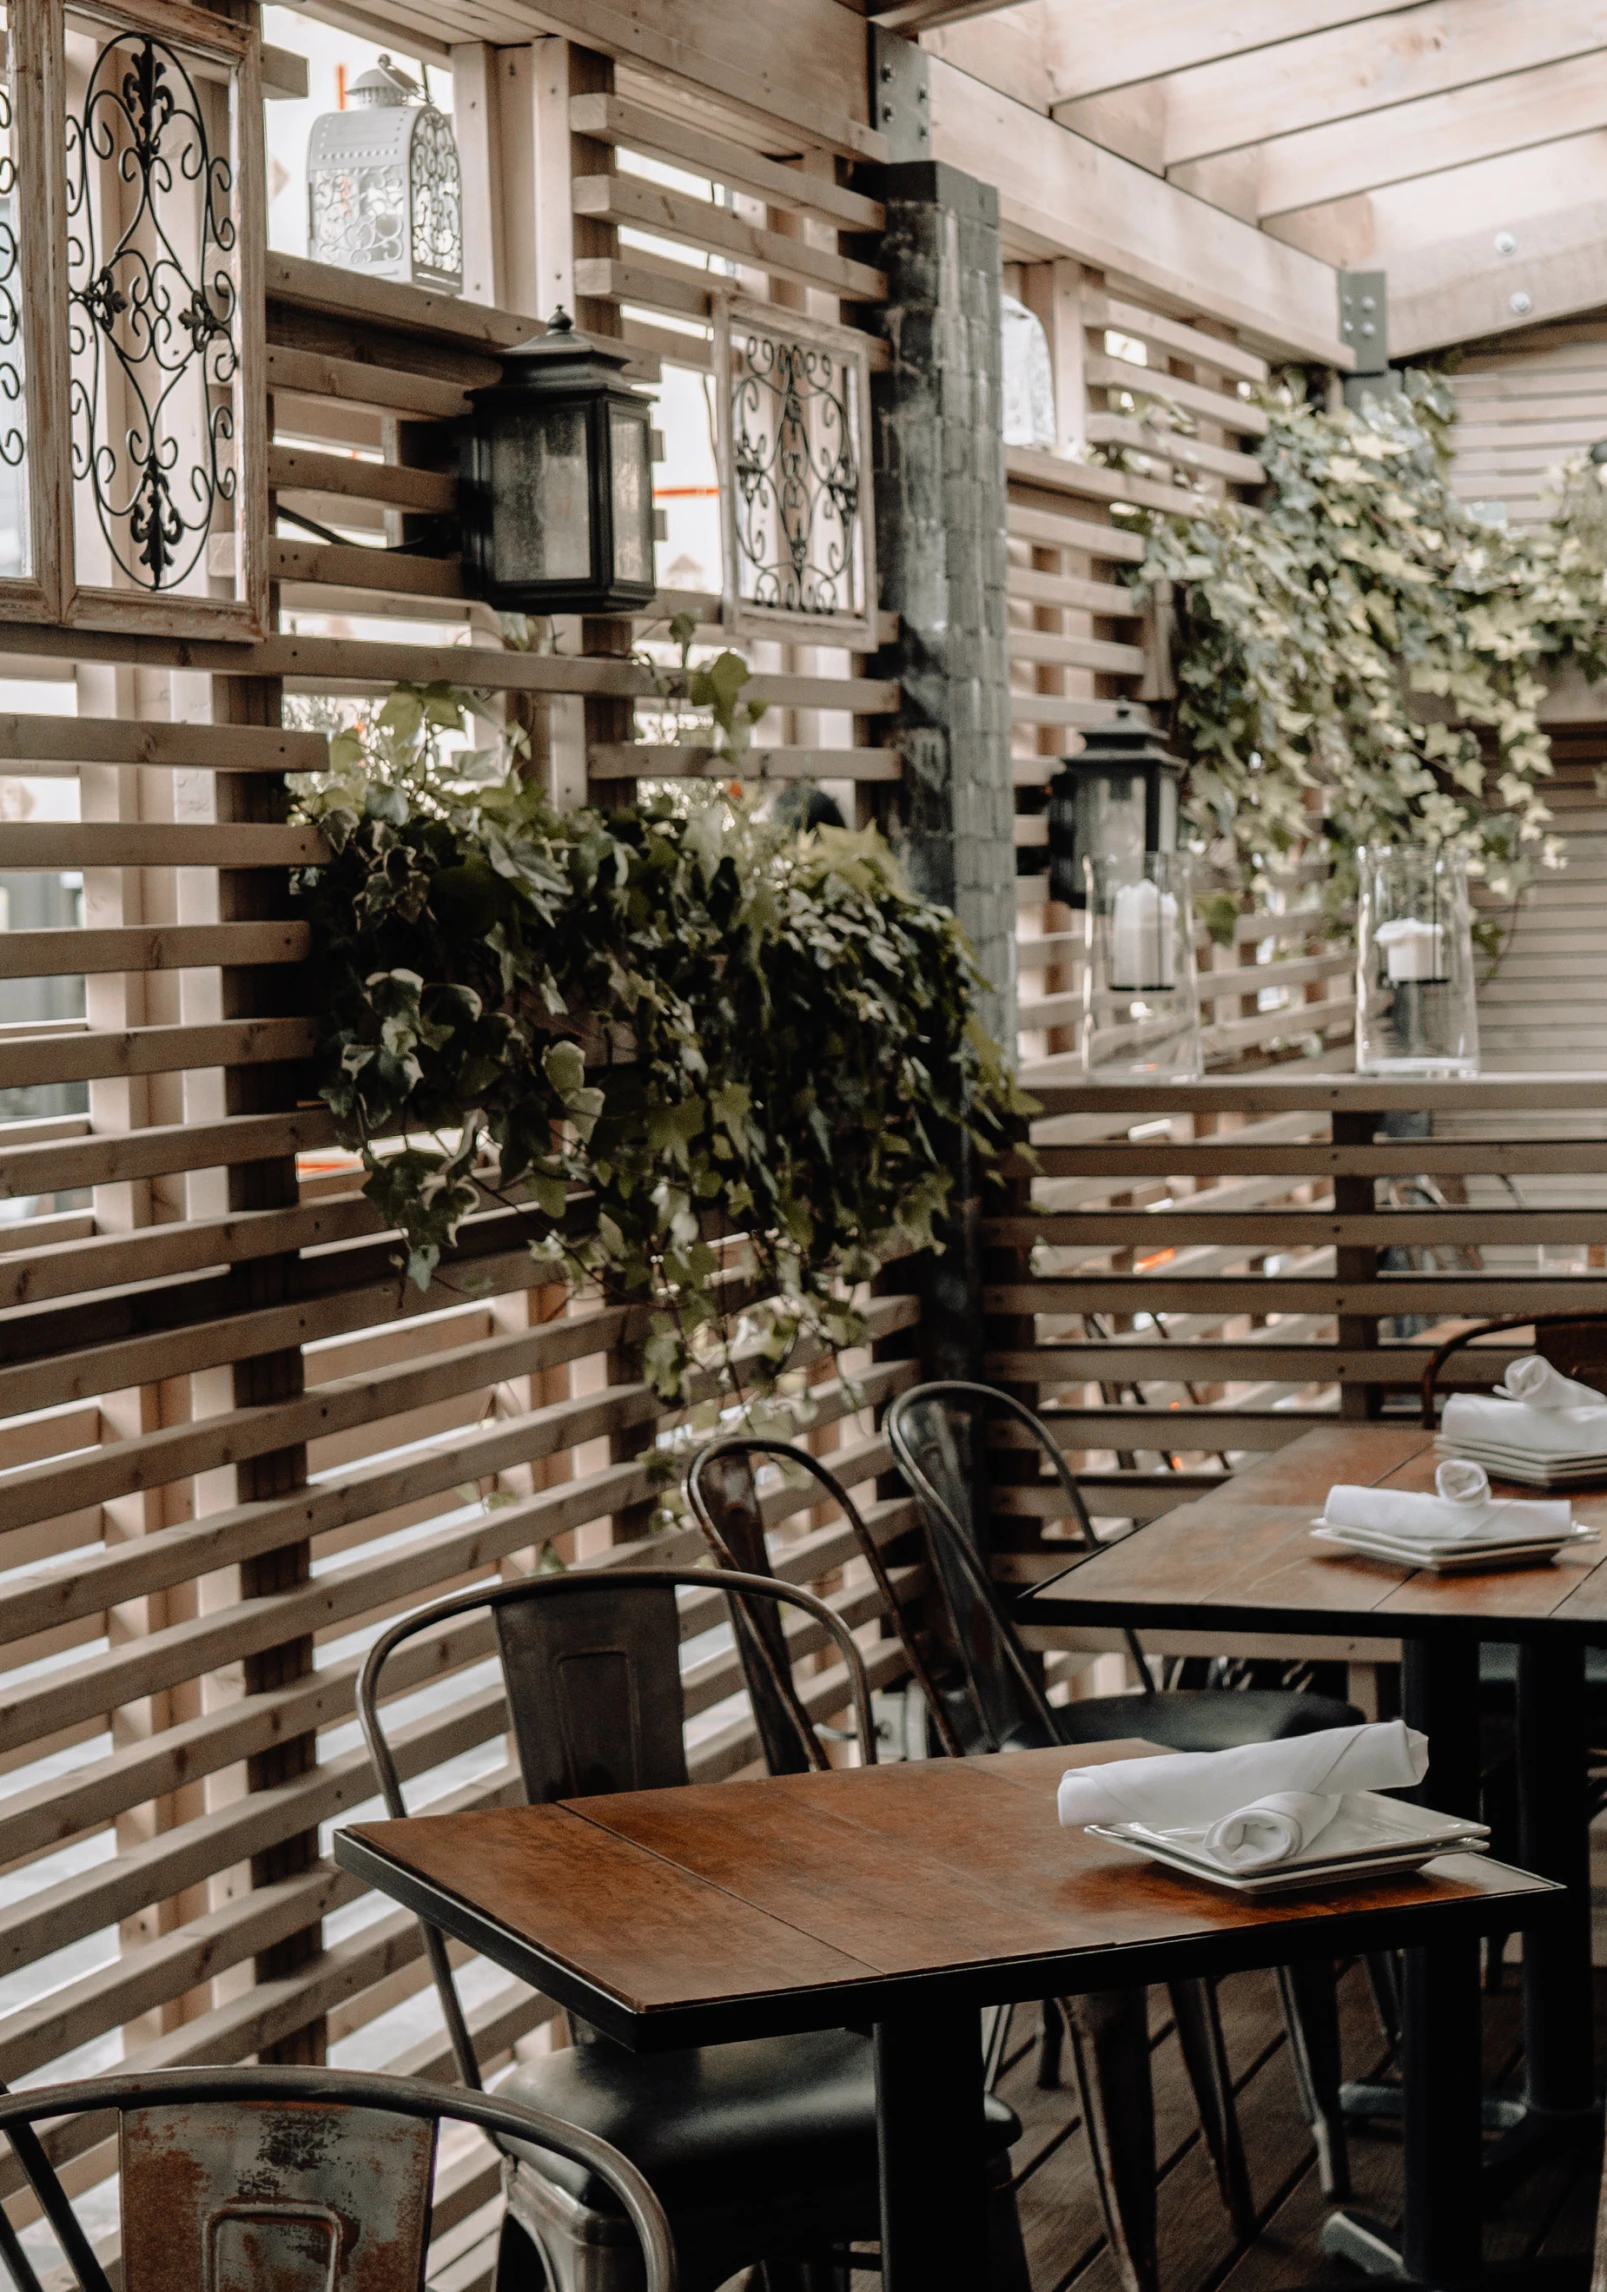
(556,495)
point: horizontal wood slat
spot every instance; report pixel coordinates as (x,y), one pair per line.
(28,1058)
(155,843)
(188,747)
(300,469)
(653,207)
(138,947)
(614,120)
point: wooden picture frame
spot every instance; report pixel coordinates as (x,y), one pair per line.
(112,594)
(33,81)
(825,371)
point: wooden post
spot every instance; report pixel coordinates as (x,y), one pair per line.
(260,894)
(1352,1197)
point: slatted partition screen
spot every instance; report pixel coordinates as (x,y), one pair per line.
(231,1448)
(231,1445)
(1197,1267)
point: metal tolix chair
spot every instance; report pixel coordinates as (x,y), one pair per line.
(763,2152)
(308,2180)
(982,1694)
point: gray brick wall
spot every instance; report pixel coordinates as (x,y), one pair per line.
(940,516)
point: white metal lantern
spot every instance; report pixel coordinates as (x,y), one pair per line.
(384,190)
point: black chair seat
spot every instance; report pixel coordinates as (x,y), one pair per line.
(757,2118)
(761,2148)
(1203,1719)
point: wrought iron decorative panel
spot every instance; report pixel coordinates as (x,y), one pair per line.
(795,472)
(152,293)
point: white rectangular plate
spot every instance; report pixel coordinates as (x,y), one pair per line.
(1370,1837)
(1448,1559)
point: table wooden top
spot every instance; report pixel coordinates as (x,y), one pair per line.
(742,1909)
(1243,1557)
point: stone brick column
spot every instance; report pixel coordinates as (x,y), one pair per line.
(940,551)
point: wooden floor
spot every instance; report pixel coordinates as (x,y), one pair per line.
(1552,2215)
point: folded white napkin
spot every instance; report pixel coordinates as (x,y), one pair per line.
(1272,1829)
(1463,1511)
(1539,1386)
(1479,1420)
(1197,1788)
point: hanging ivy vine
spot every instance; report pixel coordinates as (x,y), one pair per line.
(709,1025)
(1361,643)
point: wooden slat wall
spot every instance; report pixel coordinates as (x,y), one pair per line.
(1196,1267)
(1079,642)
(1526,403)
(230,1446)
(425,1443)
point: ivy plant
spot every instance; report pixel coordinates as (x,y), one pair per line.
(1359,651)
(707,1025)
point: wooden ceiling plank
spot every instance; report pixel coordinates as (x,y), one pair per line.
(1404,140)
(1062,195)
(1488,194)
(1460,290)
(1085,50)
(1332,75)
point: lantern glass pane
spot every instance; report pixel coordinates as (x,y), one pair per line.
(1166,811)
(632,475)
(1110,815)
(540,496)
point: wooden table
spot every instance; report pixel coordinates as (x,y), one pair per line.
(1243,1558)
(904,1898)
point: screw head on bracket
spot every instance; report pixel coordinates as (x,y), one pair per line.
(1520,304)
(1505,243)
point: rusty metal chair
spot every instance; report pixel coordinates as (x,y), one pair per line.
(982,1694)
(761,2152)
(309,2180)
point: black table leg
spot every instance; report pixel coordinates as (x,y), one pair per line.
(1443,2076)
(1440,2017)
(929,2130)
(1440,1695)
(1554,1841)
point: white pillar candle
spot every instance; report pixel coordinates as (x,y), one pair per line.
(1413,949)
(1143,933)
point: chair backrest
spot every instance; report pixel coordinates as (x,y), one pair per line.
(1575,1343)
(724,1496)
(591,1661)
(938,1433)
(722,1488)
(306,2180)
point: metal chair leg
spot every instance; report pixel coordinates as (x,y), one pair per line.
(995,2040)
(1384,1980)
(1310,2000)
(1051,2038)
(1110,2046)
(1205,2056)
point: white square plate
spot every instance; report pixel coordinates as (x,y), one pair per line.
(1371,1837)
